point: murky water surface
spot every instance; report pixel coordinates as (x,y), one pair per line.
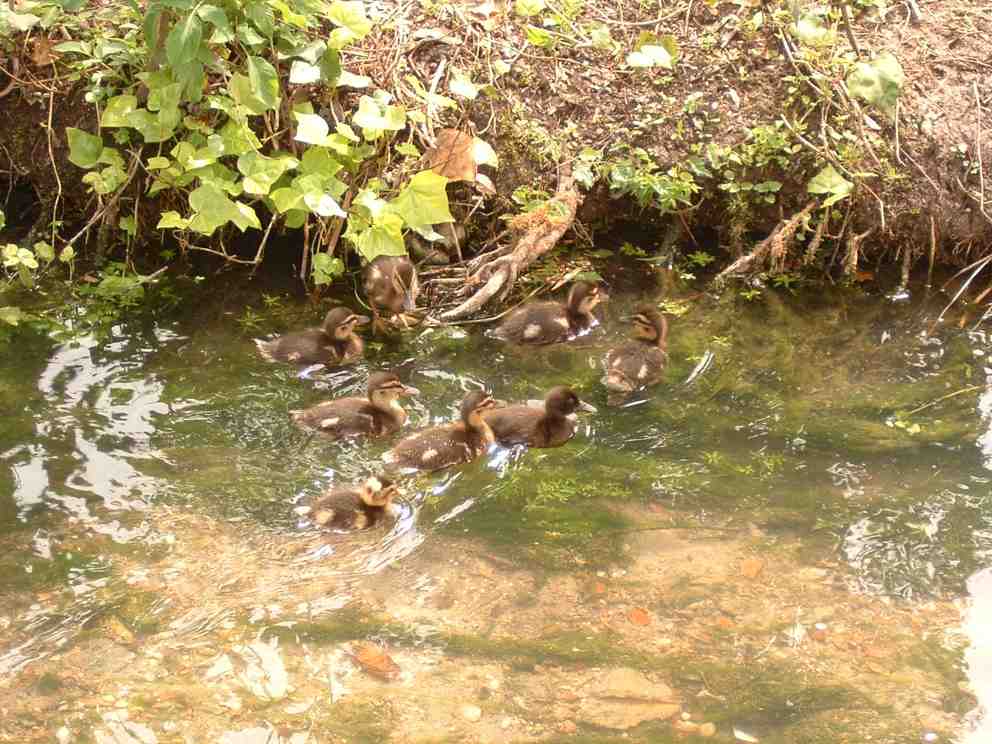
(773,546)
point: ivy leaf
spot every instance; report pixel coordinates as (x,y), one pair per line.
(261,172)
(117,110)
(350,80)
(374,118)
(154,127)
(878,82)
(539,37)
(84,148)
(289,15)
(350,17)
(287,198)
(311,129)
(303,73)
(11,315)
(829,181)
(385,238)
(405,148)
(326,268)
(660,53)
(528,8)
(264,81)
(212,209)
(183,42)
(462,86)
(323,204)
(157,163)
(216,17)
(810,30)
(424,201)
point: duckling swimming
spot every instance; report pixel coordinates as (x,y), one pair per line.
(354,508)
(334,342)
(376,415)
(392,286)
(641,361)
(552,322)
(450,444)
(551,425)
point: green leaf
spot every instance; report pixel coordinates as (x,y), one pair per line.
(878,82)
(539,37)
(289,15)
(326,268)
(528,8)
(349,80)
(810,30)
(829,181)
(157,163)
(261,172)
(128,224)
(382,239)
(662,53)
(3,219)
(311,129)
(354,25)
(318,161)
(117,110)
(212,209)
(154,127)
(405,148)
(303,73)
(183,42)
(67,254)
(44,251)
(424,201)
(286,199)
(84,148)
(216,17)
(374,118)
(79,47)
(244,95)
(238,138)
(12,315)
(172,220)
(330,68)
(323,204)
(462,86)
(21,21)
(264,81)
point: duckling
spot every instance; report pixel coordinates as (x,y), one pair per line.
(450,444)
(354,508)
(641,361)
(551,425)
(334,342)
(552,322)
(391,285)
(376,415)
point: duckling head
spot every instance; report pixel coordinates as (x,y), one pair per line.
(583,297)
(650,325)
(563,401)
(378,491)
(474,404)
(387,386)
(340,322)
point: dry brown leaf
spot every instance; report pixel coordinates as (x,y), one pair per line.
(599,587)
(639,616)
(375,661)
(41,52)
(452,157)
(725,622)
(751,568)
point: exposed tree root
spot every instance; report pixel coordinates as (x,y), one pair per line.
(772,249)
(539,230)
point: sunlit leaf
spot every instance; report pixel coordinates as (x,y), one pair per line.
(311,129)
(349,80)
(303,73)
(878,82)
(326,268)
(213,15)
(529,8)
(539,37)
(353,23)
(385,238)
(374,118)
(84,148)
(183,41)
(424,201)
(261,172)
(287,198)
(461,85)
(811,30)
(44,251)
(660,53)
(11,315)
(264,81)
(829,181)
(117,110)
(212,209)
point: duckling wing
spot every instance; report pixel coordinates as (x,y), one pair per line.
(537,323)
(513,424)
(336,508)
(304,347)
(432,449)
(339,418)
(633,365)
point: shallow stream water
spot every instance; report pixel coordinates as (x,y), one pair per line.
(781,536)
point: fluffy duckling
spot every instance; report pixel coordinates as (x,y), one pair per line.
(641,361)
(376,415)
(551,425)
(552,322)
(334,342)
(450,444)
(392,286)
(354,508)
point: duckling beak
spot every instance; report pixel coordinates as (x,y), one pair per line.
(410,390)
(583,406)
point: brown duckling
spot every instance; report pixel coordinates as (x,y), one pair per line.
(552,322)
(392,286)
(353,508)
(450,444)
(334,342)
(639,362)
(551,425)
(376,415)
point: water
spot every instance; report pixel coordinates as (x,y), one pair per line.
(783,533)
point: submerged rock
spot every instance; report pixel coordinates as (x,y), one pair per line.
(623,698)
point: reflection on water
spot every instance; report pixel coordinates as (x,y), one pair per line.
(842,428)
(979,656)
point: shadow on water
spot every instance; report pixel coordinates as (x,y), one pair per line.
(834,423)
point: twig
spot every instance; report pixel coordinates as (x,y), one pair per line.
(51,159)
(113,200)
(941,399)
(848,31)
(978,148)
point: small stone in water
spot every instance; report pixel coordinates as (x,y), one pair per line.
(471,713)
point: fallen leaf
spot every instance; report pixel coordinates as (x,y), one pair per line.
(41,52)
(639,616)
(453,156)
(751,568)
(375,661)
(725,622)
(599,587)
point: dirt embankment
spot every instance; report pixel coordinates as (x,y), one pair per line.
(923,176)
